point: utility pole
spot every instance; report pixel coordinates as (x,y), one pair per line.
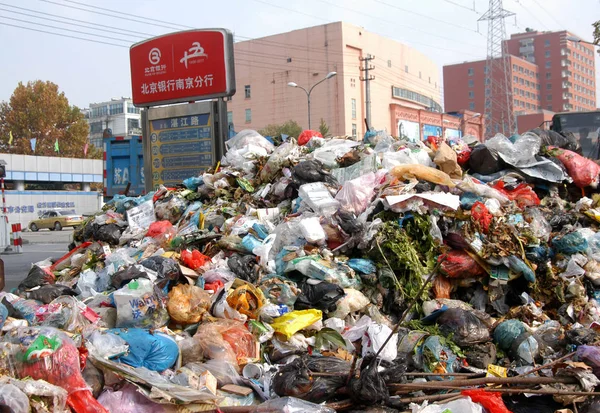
(367,79)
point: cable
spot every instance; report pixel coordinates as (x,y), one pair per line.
(463,7)
(531,14)
(426,16)
(80,21)
(62,22)
(63,35)
(548,13)
(68,30)
(292,10)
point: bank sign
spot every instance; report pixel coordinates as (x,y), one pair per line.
(182,67)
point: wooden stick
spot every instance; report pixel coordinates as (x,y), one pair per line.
(341,405)
(545,366)
(551,392)
(482,381)
(420,374)
(431,398)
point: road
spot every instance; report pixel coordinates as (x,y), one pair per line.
(42,245)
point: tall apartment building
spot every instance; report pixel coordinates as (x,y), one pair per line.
(117,117)
(404,77)
(547,72)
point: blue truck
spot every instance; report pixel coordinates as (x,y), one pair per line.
(123,166)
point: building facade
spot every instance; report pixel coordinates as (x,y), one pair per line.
(117,117)
(402,77)
(548,72)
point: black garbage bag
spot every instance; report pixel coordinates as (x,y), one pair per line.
(109,233)
(133,272)
(369,387)
(484,161)
(294,379)
(524,404)
(552,138)
(50,292)
(94,378)
(36,277)
(581,336)
(321,295)
(244,267)
(481,355)
(311,171)
(466,328)
(348,222)
(167,269)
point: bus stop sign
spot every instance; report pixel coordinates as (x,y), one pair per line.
(182,67)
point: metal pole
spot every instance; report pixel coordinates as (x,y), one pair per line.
(308,94)
(368,90)
(4,210)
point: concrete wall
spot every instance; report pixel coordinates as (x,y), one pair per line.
(305,56)
(534,120)
(49,169)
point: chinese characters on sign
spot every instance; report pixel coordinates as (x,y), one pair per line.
(24,209)
(178,84)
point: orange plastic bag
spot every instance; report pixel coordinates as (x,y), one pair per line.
(227,340)
(442,287)
(459,264)
(523,194)
(481,215)
(247,299)
(188,303)
(307,135)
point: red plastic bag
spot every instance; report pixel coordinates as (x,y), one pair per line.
(492,401)
(459,264)
(227,340)
(194,259)
(523,194)
(307,135)
(481,215)
(159,228)
(584,171)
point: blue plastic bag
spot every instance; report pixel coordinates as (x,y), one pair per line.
(517,265)
(362,265)
(507,332)
(3,314)
(193,182)
(570,243)
(249,242)
(155,351)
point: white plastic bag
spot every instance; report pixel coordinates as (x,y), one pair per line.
(140,304)
(356,194)
(312,231)
(457,406)
(520,153)
(374,338)
(353,301)
(249,137)
(87,284)
(407,156)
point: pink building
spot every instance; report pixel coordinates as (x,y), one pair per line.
(404,77)
(547,72)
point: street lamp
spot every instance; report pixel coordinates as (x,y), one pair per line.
(464,120)
(576,39)
(308,92)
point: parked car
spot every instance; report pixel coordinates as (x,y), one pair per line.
(56,220)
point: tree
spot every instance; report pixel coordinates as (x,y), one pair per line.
(39,111)
(596,26)
(323,128)
(290,128)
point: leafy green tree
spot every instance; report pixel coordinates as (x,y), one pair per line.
(39,111)
(290,128)
(324,129)
(596,26)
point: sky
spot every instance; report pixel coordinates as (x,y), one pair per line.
(97,69)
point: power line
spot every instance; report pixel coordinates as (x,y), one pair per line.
(62,22)
(76,20)
(531,14)
(288,9)
(548,13)
(61,28)
(463,7)
(63,35)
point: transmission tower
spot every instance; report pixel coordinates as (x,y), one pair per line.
(499,116)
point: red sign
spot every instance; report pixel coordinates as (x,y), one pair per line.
(182,67)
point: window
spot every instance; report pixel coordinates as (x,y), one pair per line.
(527,95)
(389,63)
(527,83)
(485,70)
(471,71)
(547,43)
(547,54)
(229,118)
(548,75)
(527,72)
(487,91)
(521,81)
(132,124)
(549,97)
(289,60)
(549,107)
(514,67)
(471,105)
(430,79)
(96,127)
(406,68)
(116,108)
(131,108)
(420,75)
(400,93)
(247,92)
(521,92)
(538,86)
(248,115)
(528,105)
(515,79)
(354,132)
(548,86)
(520,69)
(470,82)
(353,108)
(548,64)
(471,94)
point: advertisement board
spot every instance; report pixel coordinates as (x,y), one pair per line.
(181,141)
(182,67)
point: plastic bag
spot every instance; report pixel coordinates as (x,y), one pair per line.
(484,160)
(294,378)
(106,344)
(294,321)
(140,304)
(570,243)
(162,231)
(187,304)
(312,230)
(356,194)
(523,194)
(353,300)
(455,406)
(466,328)
(36,277)
(249,137)
(374,338)
(310,171)
(469,185)
(246,299)
(446,160)
(318,198)
(321,295)
(435,356)
(49,292)
(134,272)
(109,233)
(224,372)
(584,171)
(590,355)
(227,340)
(538,224)
(423,173)
(406,156)
(362,265)
(167,269)
(170,208)
(520,153)
(13,398)
(49,354)
(194,259)
(153,350)
(441,287)
(291,405)
(65,313)
(129,400)
(507,332)
(244,267)
(459,264)
(193,182)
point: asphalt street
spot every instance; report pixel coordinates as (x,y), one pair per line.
(41,245)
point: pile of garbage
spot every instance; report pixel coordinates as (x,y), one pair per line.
(316,275)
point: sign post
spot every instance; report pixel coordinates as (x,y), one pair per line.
(182,140)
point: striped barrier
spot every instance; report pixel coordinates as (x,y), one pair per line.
(17,241)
